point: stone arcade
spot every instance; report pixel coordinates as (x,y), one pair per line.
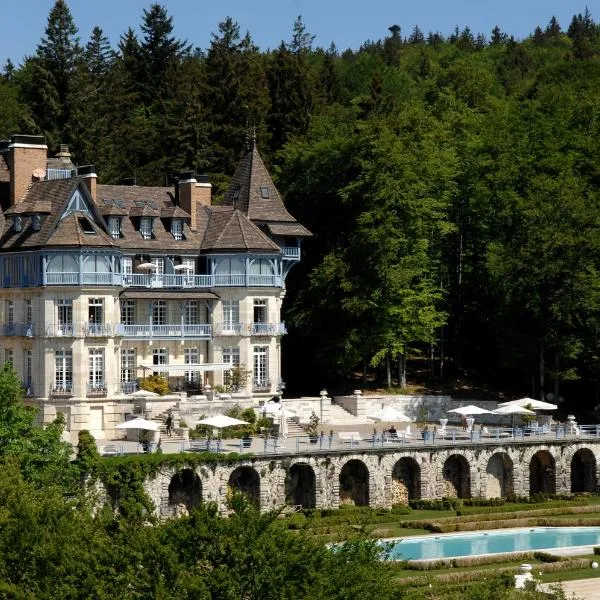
(374,477)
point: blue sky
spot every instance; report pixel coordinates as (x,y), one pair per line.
(348,23)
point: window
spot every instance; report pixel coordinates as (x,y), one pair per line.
(9,356)
(191,312)
(128,312)
(127,265)
(264,193)
(128,371)
(260,369)
(190,265)
(63,370)
(64,308)
(28,311)
(159,313)
(260,311)
(114,227)
(191,358)
(18,224)
(95,311)
(231,316)
(177,228)
(9,315)
(86,226)
(36,222)
(231,356)
(27,362)
(160,357)
(146,227)
(96,369)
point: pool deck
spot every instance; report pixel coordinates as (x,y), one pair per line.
(584,589)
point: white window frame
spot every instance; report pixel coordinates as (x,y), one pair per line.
(114,227)
(146,227)
(231,316)
(128,357)
(28,311)
(10,312)
(192,313)
(260,365)
(128,312)
(96,380)
(231,355)
(160,356)
(177,229)
(191,356)
(159,312)
(9,356)
(63,370)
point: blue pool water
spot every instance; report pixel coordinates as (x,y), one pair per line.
(493,542)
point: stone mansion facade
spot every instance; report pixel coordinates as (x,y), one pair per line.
(103,284)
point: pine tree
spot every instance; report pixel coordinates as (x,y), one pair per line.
(99,56)
(48,78)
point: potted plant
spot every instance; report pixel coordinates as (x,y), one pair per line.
(312,429)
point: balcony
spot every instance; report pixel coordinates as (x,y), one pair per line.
(52,174)
(159,281)
(291,252)
(18,329)
(96,389)
(268,329)
(98,329)
(62,389)
(128,387)
(261,385)
(246,329)
(61,330)
(201,331)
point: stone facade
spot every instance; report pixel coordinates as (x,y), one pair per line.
(380,478)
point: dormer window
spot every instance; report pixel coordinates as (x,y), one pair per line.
(114,227)
(18,224)
(86,226)
(177,229)
(264,193)
(146,227)
(36,222)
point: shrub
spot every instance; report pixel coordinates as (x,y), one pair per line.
(546,557)
(596,549)
(156,384)
(443,504)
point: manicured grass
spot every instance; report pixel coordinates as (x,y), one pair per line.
(567,575)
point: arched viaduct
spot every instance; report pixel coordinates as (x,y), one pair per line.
(377,477)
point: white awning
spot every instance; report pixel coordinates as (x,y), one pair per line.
(197,368)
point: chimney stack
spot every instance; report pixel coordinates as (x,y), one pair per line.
(26,154)
(88,174)
(192,192)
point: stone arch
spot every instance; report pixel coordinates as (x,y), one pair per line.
(247,481)
(499,476)
(457,476)
(185,491)
(406,480)
(354,483)
(583,471)
(542,473)
(300,486)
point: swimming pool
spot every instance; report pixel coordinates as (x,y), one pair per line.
(492,542)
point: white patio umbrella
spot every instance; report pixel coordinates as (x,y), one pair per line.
(147,266)
(182,268)
(221,421)
(144,394)
(389,414)
(531,403)
(139,423)
(512,409)
(469,410)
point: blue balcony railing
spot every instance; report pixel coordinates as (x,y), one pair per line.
(18,329)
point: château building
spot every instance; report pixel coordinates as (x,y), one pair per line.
(104,284)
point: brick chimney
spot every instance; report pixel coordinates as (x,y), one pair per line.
(88,174)
(192,192)
(26,154)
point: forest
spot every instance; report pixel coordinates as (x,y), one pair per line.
(451,181)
